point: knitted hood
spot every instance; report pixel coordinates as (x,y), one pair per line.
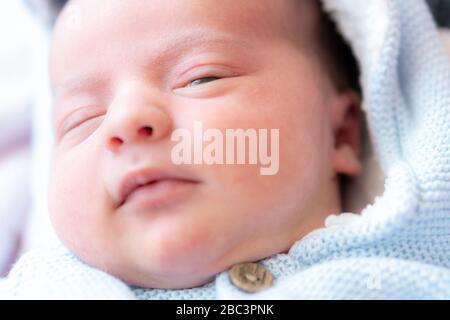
(405,78)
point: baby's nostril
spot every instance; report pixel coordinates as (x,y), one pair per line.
(145,131)
(115,141)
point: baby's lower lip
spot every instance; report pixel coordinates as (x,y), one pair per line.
(159,194)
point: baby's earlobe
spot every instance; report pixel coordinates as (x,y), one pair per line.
(346,161)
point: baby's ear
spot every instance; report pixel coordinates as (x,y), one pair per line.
(346,126)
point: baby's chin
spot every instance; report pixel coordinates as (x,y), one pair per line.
(162,281)
(148,273)
(148,266)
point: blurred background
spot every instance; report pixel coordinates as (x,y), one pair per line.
(25,130)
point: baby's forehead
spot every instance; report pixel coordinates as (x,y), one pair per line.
(254,18)
(87,26)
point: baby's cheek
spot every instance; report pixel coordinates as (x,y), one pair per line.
(74,197)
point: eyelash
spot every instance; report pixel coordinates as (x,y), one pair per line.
(71,125)
(209,79)
(83,121)
(202,74)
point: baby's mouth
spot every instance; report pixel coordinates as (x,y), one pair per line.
(148,188)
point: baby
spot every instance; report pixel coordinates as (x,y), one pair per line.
(152,201)
(129,73)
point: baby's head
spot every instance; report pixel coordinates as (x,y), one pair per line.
(126,74)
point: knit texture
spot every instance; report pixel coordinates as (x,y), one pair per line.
(396,248)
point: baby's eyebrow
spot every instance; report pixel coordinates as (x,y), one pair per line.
(78,83)
(191,40)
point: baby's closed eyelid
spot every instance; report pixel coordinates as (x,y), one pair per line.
(203,71)
(77,117)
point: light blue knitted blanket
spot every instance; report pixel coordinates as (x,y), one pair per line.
(398,247)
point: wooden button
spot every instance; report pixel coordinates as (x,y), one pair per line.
(251,277)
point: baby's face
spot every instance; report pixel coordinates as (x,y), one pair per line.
(126,74)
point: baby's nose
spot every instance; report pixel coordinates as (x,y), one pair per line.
(138,113)
(144,124)
(117,140)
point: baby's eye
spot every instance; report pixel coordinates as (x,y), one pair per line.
(82,124)
(201,81)
(85,117)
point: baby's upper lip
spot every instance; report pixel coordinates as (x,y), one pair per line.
(135,179)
